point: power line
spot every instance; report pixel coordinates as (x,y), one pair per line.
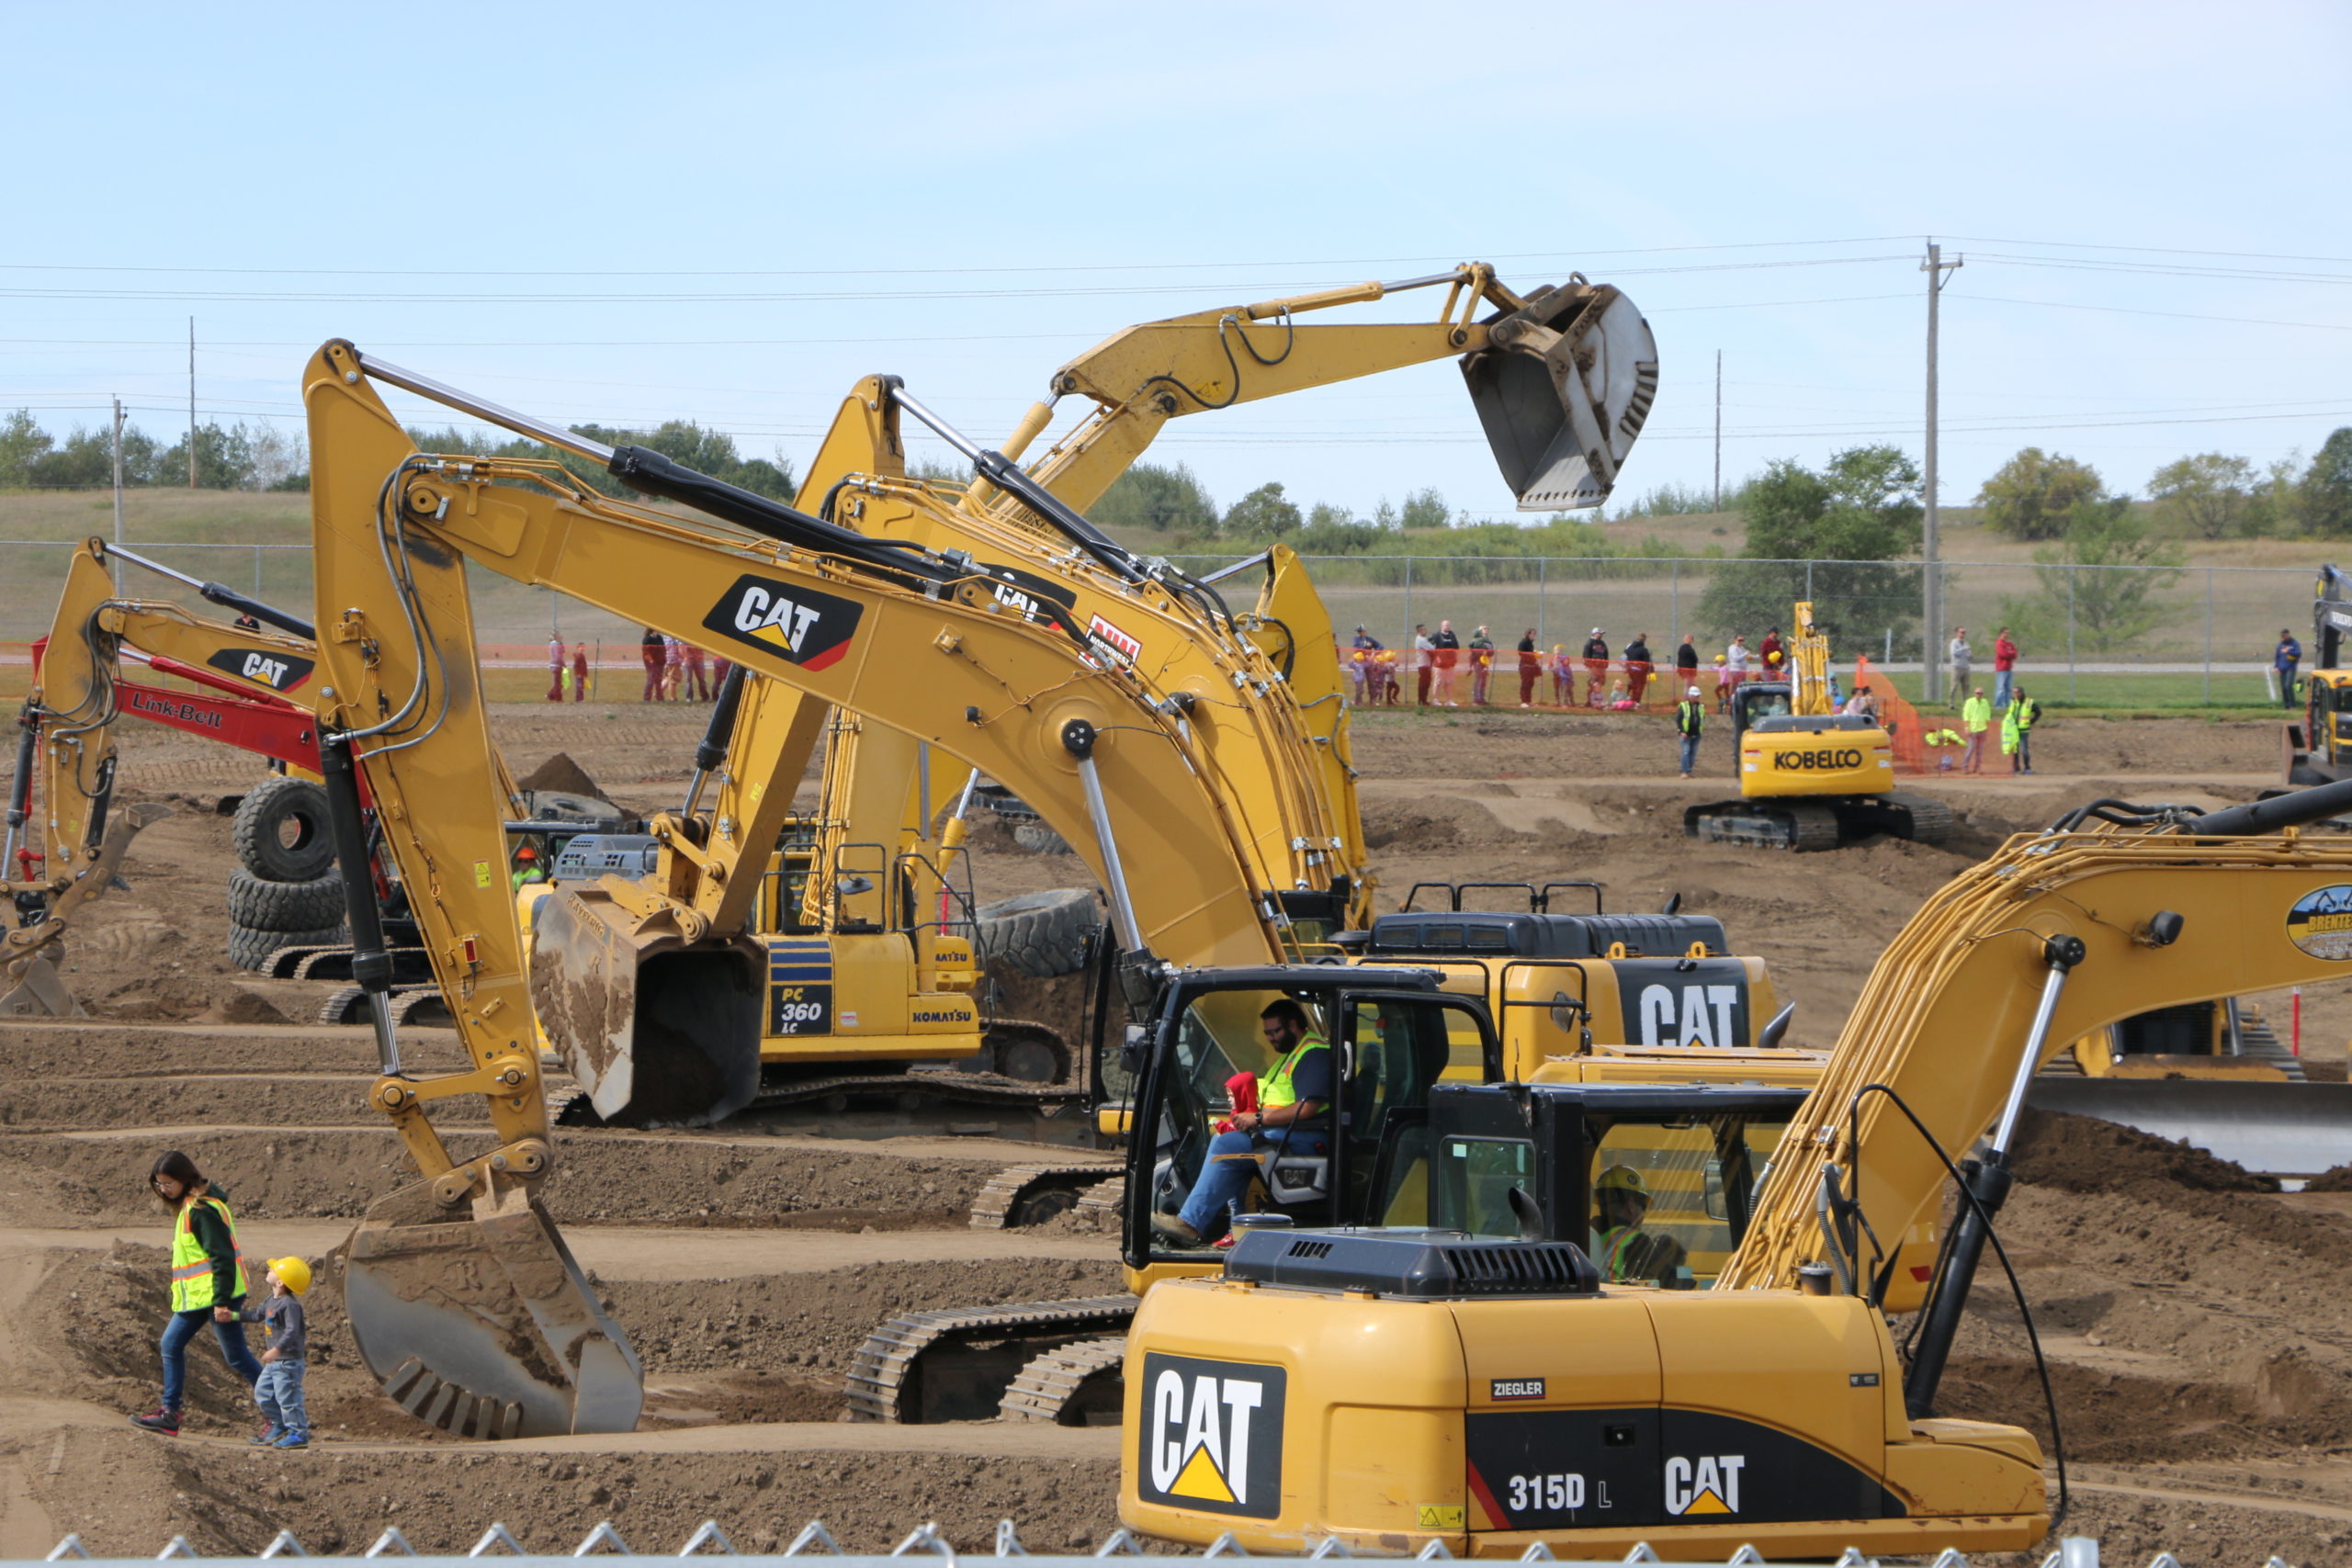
(2175,315)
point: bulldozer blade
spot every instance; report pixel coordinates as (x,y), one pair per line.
(38,993)
(2275,1129)
(1562,391)
(655,1030)
(484,1326)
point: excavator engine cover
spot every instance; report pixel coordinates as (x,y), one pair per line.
(481,1323)
(1563,393)
(655,1029)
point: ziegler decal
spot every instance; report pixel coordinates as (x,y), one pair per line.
(1672,1001)
(1211,1437)
(811,629)
(2320,922)
(1827,758)
(279,672)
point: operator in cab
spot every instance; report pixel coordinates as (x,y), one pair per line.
(1293,1116)
(1623,1252)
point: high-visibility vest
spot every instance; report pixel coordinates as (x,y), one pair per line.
(1609,1250)
(191,1270)
(1275,1087)
(1689,717)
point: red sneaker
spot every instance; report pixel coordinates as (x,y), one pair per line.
(163,1418)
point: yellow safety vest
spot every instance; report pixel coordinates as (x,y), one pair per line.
(191,1270)
(1274,1089)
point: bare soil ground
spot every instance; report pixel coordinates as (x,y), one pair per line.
(2196,1325)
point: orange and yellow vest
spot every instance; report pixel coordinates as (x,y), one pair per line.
(1276,1089)
(191,1270)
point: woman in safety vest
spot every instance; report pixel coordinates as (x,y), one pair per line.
(208,1282)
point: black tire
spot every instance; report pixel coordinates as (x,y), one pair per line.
(1038,839)
(250,949)
(284,906)
(281,831)
(1040,935)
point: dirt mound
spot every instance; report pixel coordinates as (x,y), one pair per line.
(2121,1417)
(2337,1181)
(560,772)
(2081,1154)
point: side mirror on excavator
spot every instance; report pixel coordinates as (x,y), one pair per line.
(1562,389)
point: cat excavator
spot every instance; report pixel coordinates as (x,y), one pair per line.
(461,1295)
(1476,1384)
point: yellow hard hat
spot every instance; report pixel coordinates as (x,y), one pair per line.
(1621,1178)
(294,1272)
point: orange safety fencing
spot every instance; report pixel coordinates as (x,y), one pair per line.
(1901,719)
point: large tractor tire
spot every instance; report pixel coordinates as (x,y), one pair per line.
(251,948)
(1040,935)
(281,831)
(1038,839)
(263,906)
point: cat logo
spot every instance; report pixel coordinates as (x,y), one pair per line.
(1709,1486)
(809,629)
(1698,1015)
(1212,1435)
(279,672)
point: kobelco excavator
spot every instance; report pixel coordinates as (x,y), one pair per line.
(827,610)
(1476,1383)
(1810,777)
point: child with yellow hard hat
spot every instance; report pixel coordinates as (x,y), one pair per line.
(286,1422)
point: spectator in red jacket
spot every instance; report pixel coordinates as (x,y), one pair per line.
(2005,666)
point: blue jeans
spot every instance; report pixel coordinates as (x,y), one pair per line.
(279,1395)
(2001,687)
(1225,1173)
(234,1350)
(1689,753)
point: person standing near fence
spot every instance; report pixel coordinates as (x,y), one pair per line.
(1736,659)
(2004,667)
(555,668)
(1637,667)
(579,671)
(1422,649)
(1564,677)
(1960,656)
(1482,666)
(1445,651)
(1686,664)
(2286,659)
(1768,652)
(674,668)
(1596,668)
(1975,717)
(697,675)
(654,652)
(2017,731)
(1690,718)
(1531,665)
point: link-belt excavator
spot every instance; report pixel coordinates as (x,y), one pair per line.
(1810,777)
(461,1295)
(1470,1381)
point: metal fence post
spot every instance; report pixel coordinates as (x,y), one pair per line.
(2071,569)
(1543,577)
(1808,580)
(1675,574)
(2209,634)
(256,572)
(1406,640)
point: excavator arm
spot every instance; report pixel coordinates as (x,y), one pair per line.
(2117,912)
(461,1295)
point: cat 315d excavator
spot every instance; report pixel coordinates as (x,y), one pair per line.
(1474,1382)
(460,1289)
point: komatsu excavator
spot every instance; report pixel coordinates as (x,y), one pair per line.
(1810,777)
(1475,1383)
(1070,717)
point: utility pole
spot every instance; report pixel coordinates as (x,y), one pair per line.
(118,490)
(1719,430)
(191,403)
(1932,587)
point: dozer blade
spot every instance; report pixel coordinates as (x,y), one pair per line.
(2276,1129)
(656,1030)
(483,1326)
(1563,393)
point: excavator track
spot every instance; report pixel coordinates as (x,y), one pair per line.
(1032,1194)
(922,1367)
(919,1103)
(418,1006)
(410,964)
(1077,1385)
(1921,818)
(1798,826)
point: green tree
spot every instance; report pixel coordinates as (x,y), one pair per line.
(85,460)
(2326,488)
(1825,533)
(1426,509)
(224,460)
(1165,499)
(2030,495)
(2277,504)
(22,444)
(1264,513)
(2208,496)
(2108,601)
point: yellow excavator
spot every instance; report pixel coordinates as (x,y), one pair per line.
(1810,777)
(1477,1385)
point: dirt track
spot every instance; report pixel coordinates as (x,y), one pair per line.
(2201,1344)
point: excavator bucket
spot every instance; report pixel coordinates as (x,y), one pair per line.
(483,1325)
(2275,1128)
(29,986)
(1563,390)
(656,1029)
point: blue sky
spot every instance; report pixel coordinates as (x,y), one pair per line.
(729,213)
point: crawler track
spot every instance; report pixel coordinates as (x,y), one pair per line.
(922,1367)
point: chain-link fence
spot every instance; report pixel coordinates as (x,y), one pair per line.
(2124,634)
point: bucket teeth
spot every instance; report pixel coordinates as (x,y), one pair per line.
(445,1404)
